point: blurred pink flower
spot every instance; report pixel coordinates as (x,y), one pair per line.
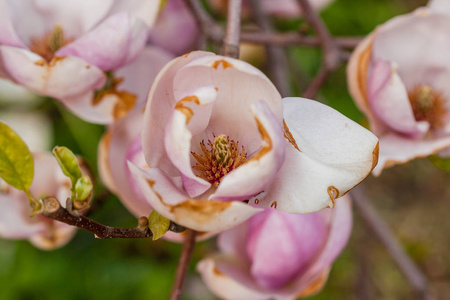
(175,29)
(62,48)
(277,255)
(15,220)
(214,138)
(398,76)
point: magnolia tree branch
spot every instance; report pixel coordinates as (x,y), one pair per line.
(54,210)
(233,29)
(376,223)
(183,263)
(207,25)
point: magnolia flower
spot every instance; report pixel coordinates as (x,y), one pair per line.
(279,8)
(276,255)
(217,135)
(64,48)
(175,29)
(15,220)
(398,77)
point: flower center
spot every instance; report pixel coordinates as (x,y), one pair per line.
(221,158)
(47,45)
(428,105)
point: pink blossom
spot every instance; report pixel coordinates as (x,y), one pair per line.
(277,255)
(62,48)
(175,29)
(217,134)
(398,77)
(15,220)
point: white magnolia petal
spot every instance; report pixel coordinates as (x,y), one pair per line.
(228,76)
(157,113)
(56,79)
(327,154)
(439,6)
(142,9)
(395,149)
(256,173)
(197,214)
(190,116)
(389,100)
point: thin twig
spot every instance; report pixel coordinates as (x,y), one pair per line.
(317,82)
(54,210)
(277,57)
(233,30)
(407,266)
(207,25)
(183,264)
(331,50)
(292,39)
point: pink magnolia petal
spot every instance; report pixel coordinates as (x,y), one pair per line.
(224,286)
(112,44)
(143,9)
(389,100)
(56,79)
(318,170)
(395,149)
(8,35)
(190,116)
(257,172)
(139,75)
(157,113)
(175,18)
(282,245)
(197,214)
(75,16)
(439,6)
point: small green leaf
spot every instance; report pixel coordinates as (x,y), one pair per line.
(16,161)
(158,224)
(440,162)
(83,188)
(68,163)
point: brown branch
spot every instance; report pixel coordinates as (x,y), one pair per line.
(183,264)
(207,25)
(233,30)
(292,39)
(317,82)
(54,210)
(407,266)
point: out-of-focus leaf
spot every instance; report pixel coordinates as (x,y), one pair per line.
(158,224)
(440,162)
(68,163)
(16,161)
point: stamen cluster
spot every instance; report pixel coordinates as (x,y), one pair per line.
(221,158)
(428,105)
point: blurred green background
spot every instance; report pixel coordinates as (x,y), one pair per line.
(412,198)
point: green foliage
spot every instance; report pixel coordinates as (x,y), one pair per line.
(158,224)
(68,163)
(16,161)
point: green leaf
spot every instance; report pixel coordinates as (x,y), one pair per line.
(158,224)
(16,161)
(83,188)
(68,163)
(440,162)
